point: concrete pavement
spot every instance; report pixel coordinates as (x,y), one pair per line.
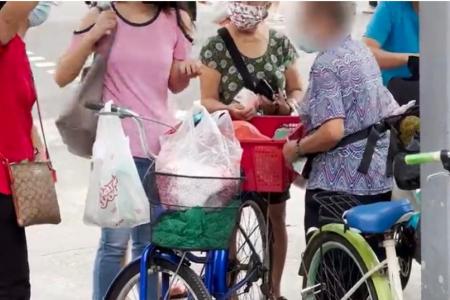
(61,257)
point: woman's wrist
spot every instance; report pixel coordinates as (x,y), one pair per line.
(300,150)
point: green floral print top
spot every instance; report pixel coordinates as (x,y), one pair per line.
(271,66)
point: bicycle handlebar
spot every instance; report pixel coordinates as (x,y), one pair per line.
(442,156)
(423,158)
(98,107)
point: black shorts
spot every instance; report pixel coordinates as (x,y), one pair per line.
(276,198)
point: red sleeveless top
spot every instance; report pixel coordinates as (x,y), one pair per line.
(17,96)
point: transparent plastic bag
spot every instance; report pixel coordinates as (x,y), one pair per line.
(116,197)
(204,147)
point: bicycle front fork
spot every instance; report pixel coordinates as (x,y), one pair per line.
(393,267)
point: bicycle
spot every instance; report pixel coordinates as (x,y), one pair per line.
(339,262)
(219,278)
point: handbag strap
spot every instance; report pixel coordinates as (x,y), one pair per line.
(236,56)
(108,39)
(41,125)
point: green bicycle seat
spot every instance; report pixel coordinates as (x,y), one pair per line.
(377,217)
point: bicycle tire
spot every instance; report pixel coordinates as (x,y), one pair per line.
(258,207)
(191,280)
(405,247)
(405,270)
(316,249)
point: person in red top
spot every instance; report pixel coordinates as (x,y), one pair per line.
(17,96)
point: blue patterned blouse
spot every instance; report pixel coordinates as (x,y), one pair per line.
(345,82)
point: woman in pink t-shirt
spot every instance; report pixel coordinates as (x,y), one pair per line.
(147,59)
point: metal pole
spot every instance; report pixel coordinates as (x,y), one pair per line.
(435,129)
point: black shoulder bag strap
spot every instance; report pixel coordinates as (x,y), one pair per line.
(372,134)
(236,56)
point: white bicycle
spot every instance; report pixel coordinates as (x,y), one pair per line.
(340,264)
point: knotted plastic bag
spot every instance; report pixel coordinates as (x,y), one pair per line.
(203,147)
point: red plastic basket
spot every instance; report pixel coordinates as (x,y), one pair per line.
(263,162)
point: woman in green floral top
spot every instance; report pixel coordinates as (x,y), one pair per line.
(268,55)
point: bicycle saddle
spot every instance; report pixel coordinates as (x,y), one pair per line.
(377,217)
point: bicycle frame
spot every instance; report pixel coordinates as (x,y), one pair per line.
(216,261)
(393,267)
(215,275)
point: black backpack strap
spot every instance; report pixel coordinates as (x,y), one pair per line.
(372,140)
(372,134)
(393,149)
(237,58)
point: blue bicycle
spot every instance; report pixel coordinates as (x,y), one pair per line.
(230,256)
(242,272)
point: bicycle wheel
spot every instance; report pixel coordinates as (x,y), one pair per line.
(251,260)
(334,266)
(406,246)
(126,285)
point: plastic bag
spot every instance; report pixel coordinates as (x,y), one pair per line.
(116,197)
(199,148)
(247,131)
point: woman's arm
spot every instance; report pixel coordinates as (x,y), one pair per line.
(38,145)
(209,90)
(294,86)
(183,71)
(325,138)
(209,87)
(386,59)
(72,62)
(12,16)
(181,74)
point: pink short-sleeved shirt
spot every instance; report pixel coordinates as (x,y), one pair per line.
(138,71)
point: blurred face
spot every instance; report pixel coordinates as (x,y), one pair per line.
(313,30)
(247,15)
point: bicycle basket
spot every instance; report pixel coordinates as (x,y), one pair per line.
(332,206)
(194,227)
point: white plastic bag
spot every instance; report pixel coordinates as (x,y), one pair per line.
(116,197)
(200,150)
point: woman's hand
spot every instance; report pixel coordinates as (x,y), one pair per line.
(291,151)
(190,68)
(105,24)
(279,105)
(239,112)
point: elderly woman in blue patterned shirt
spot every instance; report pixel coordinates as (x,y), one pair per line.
(345,95)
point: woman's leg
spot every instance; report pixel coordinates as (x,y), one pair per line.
(14,270)
(277,215)
(141,235)
(108,262)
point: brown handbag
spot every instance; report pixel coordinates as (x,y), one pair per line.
(33,189)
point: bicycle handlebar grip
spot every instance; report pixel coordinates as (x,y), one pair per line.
(423,158)
(94,106)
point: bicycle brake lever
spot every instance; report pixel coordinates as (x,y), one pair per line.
(439,174)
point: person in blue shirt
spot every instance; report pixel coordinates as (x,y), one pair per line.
(393,37)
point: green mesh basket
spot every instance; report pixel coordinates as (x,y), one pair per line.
(195,228)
